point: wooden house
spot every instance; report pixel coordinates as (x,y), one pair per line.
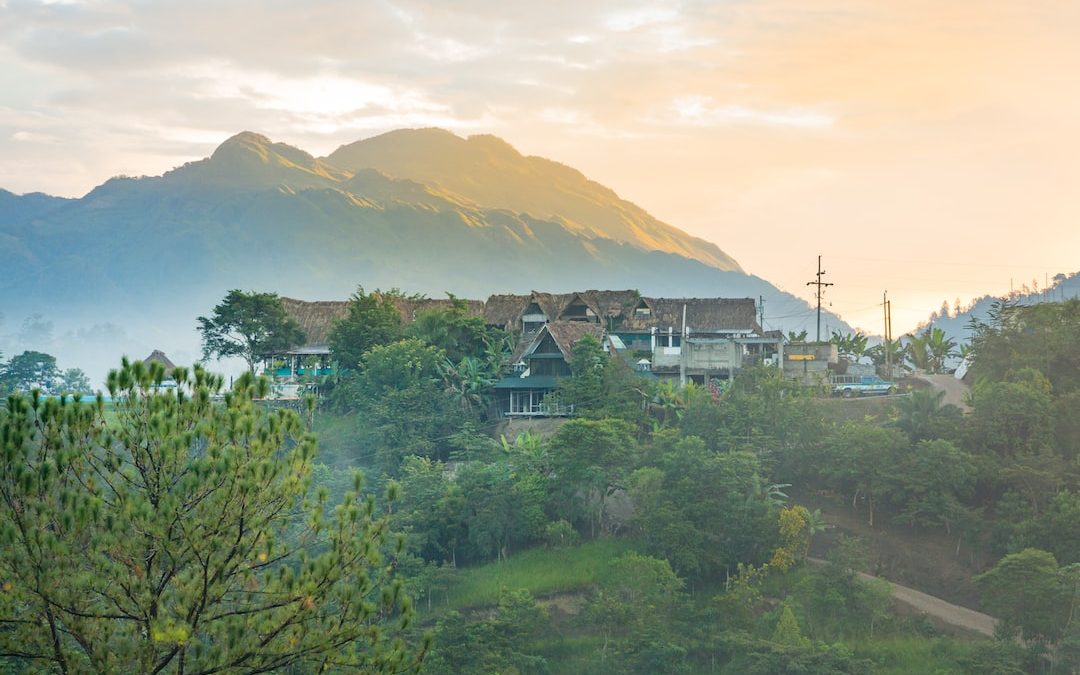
(537,365)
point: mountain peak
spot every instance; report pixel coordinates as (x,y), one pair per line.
(485,169)
(250,159)
(250,146)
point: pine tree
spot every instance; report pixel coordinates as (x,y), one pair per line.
(181,537)
(787,629)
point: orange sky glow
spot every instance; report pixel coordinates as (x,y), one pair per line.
(925,148)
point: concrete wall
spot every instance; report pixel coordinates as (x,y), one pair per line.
(808,362)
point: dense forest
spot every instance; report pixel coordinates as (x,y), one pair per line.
(668,512)
(661,529)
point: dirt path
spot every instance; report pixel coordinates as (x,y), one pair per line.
(955,390)
(936,608)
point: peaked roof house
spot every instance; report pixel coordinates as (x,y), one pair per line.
(699,340)
(158,356)
(537,364)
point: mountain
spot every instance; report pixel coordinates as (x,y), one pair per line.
(489,171)
(129,266)
(954,323)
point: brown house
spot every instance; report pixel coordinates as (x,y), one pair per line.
(538,363)
(689,339)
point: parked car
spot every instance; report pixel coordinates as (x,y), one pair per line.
(850,386)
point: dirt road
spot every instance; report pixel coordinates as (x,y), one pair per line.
(955,390)
(936,608)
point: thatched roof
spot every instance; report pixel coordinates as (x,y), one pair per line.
(703,315)
(158,356)
(316,318)
(615,303)
(568,333)
(504,311)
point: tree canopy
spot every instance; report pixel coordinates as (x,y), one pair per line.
(372,319)
(183,537)
(248,325)
(30,370)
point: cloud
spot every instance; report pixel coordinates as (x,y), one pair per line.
(742,122)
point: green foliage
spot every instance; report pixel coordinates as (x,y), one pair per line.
(1014,415)
(589,461)
(1029,594)
(470,381)
(634,608)
(1045,337)
(841,604)
(853,345)
(741,654)
(1056,529)
(432,510)
(540,570)
(931,481)
(560,534)
(74,381)
(762,412)
(930,349)
(494,645)
(703,511)
(401,407)
(603,386)
(30,370)
(248,325)
(787,629)
(585,389)
(923,417)
(372,319)
(495,509)
(454,331)
(895,353)
(861,460)
(182,536)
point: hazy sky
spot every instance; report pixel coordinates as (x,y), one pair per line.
(925,147)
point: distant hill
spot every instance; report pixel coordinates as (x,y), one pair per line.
(137,259)
(955,323)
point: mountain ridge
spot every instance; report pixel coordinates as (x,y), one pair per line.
(583,204)
(150,254)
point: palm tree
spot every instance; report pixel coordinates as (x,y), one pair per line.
(671,399)
(850,344)
(939,347)
(916,349)
(917,411)
(469,380)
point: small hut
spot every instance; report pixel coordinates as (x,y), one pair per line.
(158,356)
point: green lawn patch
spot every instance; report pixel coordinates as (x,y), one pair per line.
(542,571)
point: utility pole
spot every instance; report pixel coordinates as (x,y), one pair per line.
(820,289)
(886,305)
(761,312)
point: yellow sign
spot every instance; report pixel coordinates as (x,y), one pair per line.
(800,357)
